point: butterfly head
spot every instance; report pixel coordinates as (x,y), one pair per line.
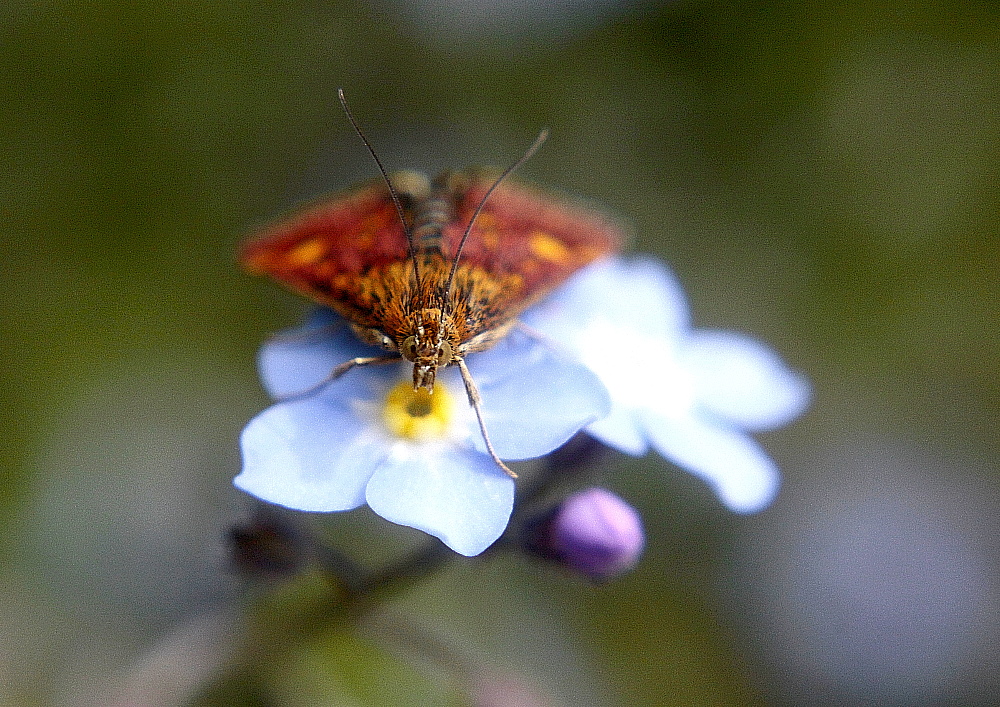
(428,344)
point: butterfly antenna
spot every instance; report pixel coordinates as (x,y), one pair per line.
(388,182)
(542,137)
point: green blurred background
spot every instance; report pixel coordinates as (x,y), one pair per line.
(821,175)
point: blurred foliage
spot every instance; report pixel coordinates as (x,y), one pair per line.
(821,174)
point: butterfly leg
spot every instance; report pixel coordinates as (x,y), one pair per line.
(360,361)
(338,372)
(476,402)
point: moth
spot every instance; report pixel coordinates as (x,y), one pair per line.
(432,270)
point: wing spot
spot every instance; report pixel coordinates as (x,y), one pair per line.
(486,220)
(307,253)
(547,247)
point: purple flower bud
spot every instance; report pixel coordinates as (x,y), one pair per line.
(593,532)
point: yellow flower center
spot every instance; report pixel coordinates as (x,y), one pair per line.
(418,414)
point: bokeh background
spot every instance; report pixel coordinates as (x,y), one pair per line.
(823,175)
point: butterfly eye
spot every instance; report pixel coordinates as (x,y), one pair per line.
(444,354)
(409,348)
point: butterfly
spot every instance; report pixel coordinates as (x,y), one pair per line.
(432,270)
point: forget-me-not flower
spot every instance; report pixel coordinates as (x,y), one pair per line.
(415,458)
(694,395)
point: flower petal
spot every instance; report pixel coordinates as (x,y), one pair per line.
(622,318)
(639,294)
(298,359)
(459,496)
(742,474)
(743,381)
(313,454)
(621,430)
(533,397)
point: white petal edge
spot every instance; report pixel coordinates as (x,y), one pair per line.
(459,496)
(621,430)
(308,455)
(639,293)
(742,380)
(743,476)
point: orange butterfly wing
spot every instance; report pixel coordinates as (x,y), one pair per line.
(322,250)
(350,251)
(537,237)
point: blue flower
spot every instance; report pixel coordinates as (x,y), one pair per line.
(692,394)
(416,459)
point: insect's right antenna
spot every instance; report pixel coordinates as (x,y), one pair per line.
(542,137)
(388,182)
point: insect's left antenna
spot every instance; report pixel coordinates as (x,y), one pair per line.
(388,183)
(542,137)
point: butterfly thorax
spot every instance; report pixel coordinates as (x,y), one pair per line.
(428,336)
(428,323)
(430,214)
